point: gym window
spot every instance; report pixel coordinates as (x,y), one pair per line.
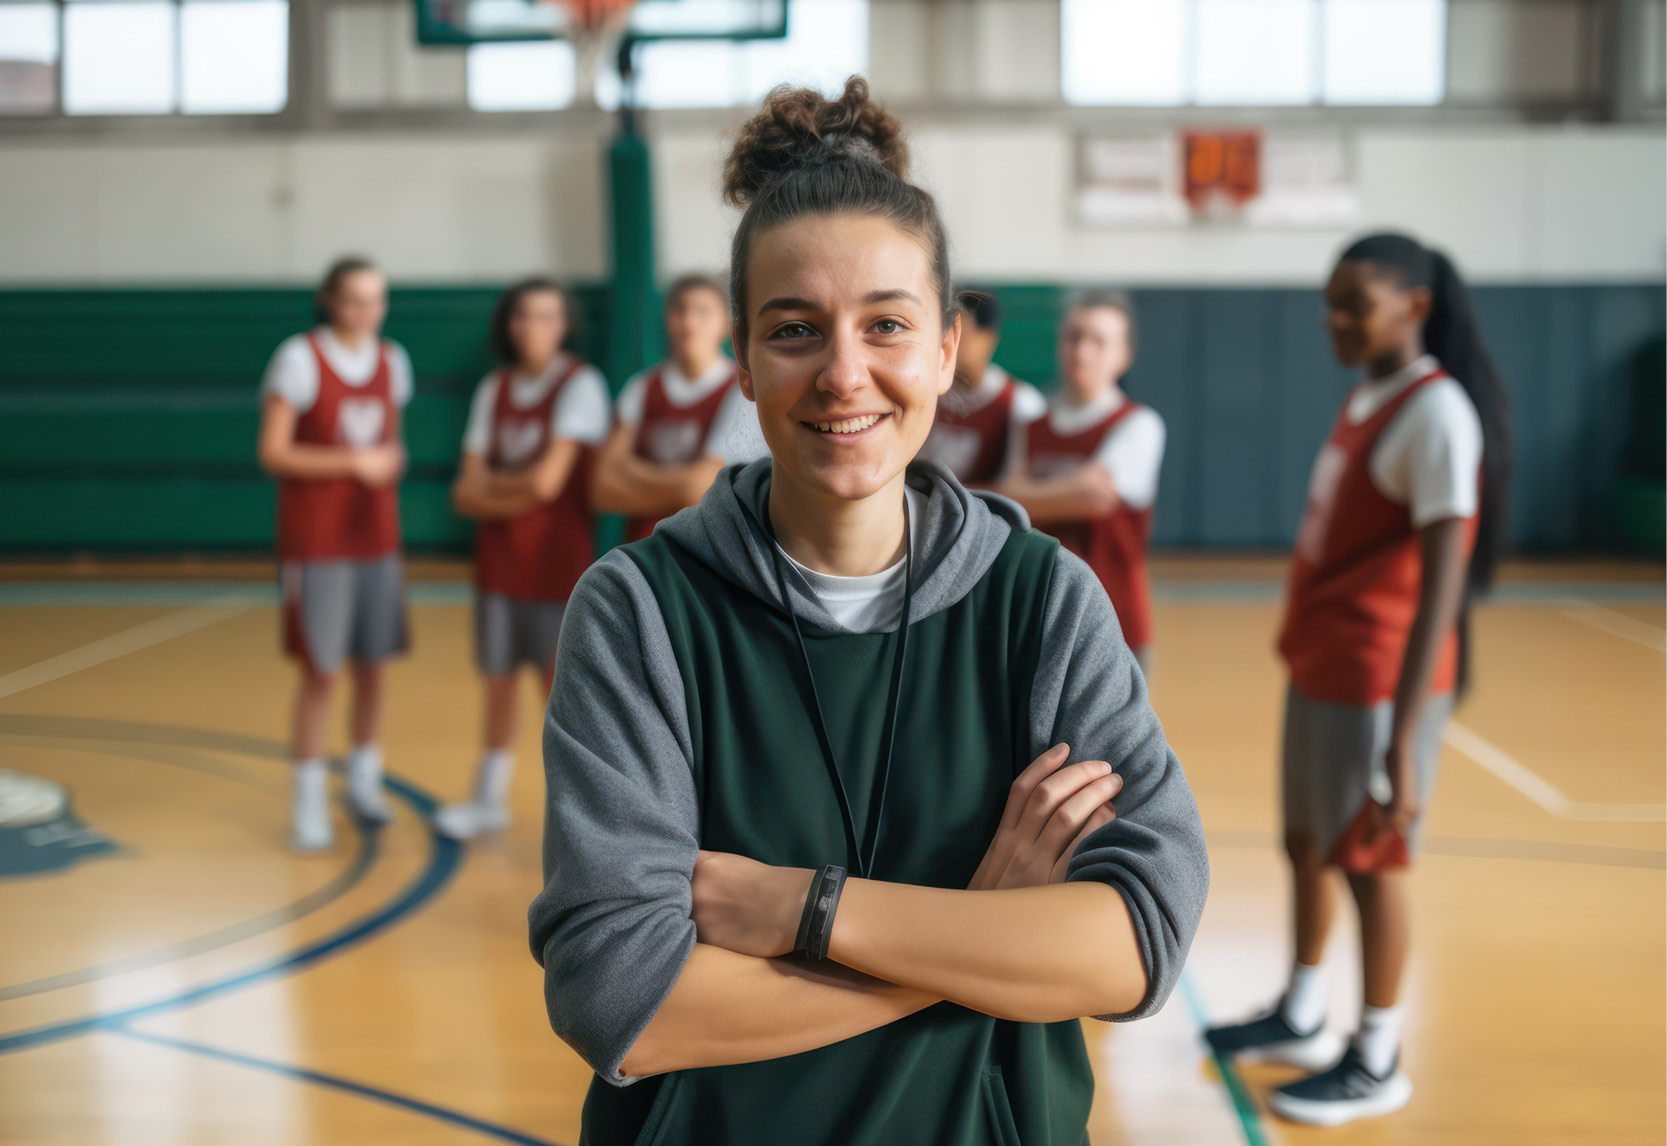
(144,57)
(1253,53)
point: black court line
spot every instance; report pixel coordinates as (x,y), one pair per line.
(334,1082)
(316,900)
(444,858)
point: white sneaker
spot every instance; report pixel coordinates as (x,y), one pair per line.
(1347,1092)
(310,829)
(467,820)
(365,794)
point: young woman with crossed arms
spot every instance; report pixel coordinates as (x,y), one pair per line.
(829,856)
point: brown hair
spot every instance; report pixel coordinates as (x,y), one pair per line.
(695,280)
(804,154)
(339,270)
(497,336)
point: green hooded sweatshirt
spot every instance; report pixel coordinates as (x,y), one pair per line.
(683,717)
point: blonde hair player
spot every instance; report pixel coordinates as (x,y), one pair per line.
(829,855)
(534,426)
(1088,472)
(330,434)
(681,421)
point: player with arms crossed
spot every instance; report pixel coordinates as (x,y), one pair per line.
(680,422)
(1088,471)
(330,434)
(534,426)
(977,420)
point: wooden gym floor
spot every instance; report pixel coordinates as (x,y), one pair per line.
(200,985)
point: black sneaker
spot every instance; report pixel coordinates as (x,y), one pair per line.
(1272,1039)
(1342,1094)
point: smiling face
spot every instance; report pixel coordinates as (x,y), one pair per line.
(845,351)
(1371,317)
(1093,351)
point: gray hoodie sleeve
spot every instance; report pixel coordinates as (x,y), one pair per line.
(612,927)
(1090,693)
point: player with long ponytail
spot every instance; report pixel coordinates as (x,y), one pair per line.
(1404,525)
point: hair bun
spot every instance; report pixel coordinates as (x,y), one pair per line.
(799,128)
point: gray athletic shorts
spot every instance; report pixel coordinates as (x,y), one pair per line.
(333,610)
(1333,761)
(509,632)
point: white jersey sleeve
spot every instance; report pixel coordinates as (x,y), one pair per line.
(628,407)
(1429,457)
(402,383)
(1028,404)
(735,436)
(582,412)
(292,374)
(1132,452)
(477,434)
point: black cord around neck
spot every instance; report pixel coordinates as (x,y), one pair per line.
(864,862)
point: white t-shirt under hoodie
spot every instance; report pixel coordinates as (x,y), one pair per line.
(871,604)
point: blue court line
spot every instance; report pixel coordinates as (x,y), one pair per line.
(444,858)
(1250,1121)
(313,901)
(346,881)
(357,1089)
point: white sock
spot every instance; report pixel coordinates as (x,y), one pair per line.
(364,768)
(1306,998)
(497,767)
(311,780)
(309,807)
(1379,1038)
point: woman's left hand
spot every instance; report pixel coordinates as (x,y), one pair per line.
(748,907)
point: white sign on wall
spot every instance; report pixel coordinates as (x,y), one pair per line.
(1138,181)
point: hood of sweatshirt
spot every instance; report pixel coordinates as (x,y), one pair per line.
(956,542)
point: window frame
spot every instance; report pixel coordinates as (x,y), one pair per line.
(1190,80)
(310,110)
(56,118)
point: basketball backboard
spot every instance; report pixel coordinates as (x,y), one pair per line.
(457,22)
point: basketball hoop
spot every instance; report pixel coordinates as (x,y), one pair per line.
(593,16)
(594,25)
